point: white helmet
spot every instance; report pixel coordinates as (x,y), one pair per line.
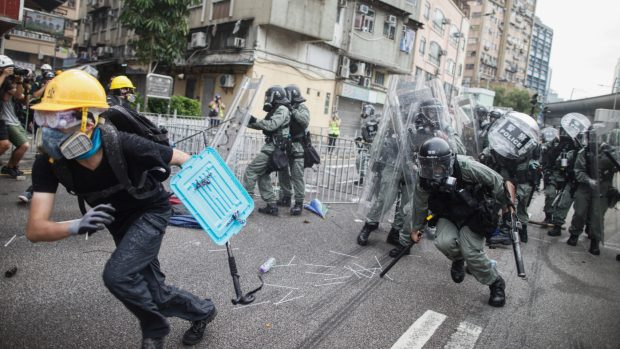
(46,67)
(5,61)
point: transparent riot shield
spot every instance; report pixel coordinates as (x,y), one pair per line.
(575,124)
(229,135)
(466,126)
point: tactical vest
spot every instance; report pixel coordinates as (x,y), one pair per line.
(297,131)
(278,132)
(370,130)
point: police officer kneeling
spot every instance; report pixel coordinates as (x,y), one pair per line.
(84,156)
(465,198)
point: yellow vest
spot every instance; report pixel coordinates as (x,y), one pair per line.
(334,129)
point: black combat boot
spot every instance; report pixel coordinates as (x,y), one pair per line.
(270,209)
(362,238)
(397,250)
(284,201)
(297,208)
(393,237)
(503,238)
(457,272)
(360,182)
(498,295)
(572,240)
(556,231)
(547,218)
(153,343)
(594,249)
(523,233)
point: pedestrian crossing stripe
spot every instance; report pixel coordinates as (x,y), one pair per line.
(425,326)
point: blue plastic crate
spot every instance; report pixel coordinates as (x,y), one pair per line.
(213,195)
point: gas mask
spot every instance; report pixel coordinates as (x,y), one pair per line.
(131,97)
(443,185)
(74,144)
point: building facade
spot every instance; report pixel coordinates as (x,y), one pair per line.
(538,70)
(440,45)
(499,42)
(616,82)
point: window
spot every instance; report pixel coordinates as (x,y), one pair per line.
(365,21)
(379,78)
(450,67)
(389,28)
(455,35)
(438,21)
(195,3)
(469,67)
(434,52)
(412,2)
(220,9)
(459,71)
(327,98)
(422,47)
(427,10)
(418,73)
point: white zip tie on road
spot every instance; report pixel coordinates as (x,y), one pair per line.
(340,277)
(288,300)
(343,254)
(321,266)
(284,265)
(331,283)
(309,272)
(11,240)
(289,263)
(289,287)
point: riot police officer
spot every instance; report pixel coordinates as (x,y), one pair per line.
(464,197)
(494,115)
(370,126)
(275,127)
(595,167)
(294,173)
(513,141)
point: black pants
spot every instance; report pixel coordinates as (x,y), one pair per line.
(331,143)
(132,275)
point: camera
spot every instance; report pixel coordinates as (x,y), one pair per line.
(19,71)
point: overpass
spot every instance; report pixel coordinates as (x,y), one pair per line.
(585,106)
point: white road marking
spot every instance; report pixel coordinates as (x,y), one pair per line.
(465,336)
(420,331)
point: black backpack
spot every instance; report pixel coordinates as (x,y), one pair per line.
(130,121)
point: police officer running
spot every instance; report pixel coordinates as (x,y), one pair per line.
(300,118)
(101,165)
(275,127)
(465,198)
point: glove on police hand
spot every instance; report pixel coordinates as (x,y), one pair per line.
(593,184)
(95,219)
(252,120)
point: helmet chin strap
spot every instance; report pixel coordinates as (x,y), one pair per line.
(84,118)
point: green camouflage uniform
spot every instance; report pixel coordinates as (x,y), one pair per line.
(295,172)
(275,123)
(454,239)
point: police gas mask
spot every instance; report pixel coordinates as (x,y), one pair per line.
(62,135)
(436,172)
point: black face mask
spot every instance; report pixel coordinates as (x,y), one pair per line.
(444,185)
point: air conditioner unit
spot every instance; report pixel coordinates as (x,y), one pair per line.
(446,21)
(344,67)
(342,3)
(199,40)
(358,69)
(235,42)
(391,19)
(227,80)
(363,9)
(365,82)
(443,52)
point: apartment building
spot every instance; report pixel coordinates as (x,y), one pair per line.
(46,34)
(616,81)
(538,70)
(440,46)
(340,55)
(499,42)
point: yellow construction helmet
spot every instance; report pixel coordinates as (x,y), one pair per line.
(121,81)
(73,89)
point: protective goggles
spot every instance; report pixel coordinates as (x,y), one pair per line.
(436,167)
(57,119)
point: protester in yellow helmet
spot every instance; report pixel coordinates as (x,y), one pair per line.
(121,92)
(100,164)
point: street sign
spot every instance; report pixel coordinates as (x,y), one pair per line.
(158,86)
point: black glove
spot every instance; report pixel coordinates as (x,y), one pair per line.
(252,120)
(95,219)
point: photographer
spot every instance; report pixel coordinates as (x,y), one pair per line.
(11,130)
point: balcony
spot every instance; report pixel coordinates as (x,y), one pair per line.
(313,19)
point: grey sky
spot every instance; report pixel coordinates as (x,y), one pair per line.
(586,44)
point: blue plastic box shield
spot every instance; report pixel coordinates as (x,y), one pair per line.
(213,195)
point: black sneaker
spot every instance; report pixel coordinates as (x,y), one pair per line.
(572,240)
(457,272)
(153,343)
(195,333)
(12,172)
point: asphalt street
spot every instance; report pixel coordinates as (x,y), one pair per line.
(324,292)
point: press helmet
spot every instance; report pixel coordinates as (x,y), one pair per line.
(293,94)
(274,96)
(46,67)
(6,62)
(435,159)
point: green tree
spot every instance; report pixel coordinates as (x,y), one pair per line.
(161,27)
(185,106)
(516,98)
